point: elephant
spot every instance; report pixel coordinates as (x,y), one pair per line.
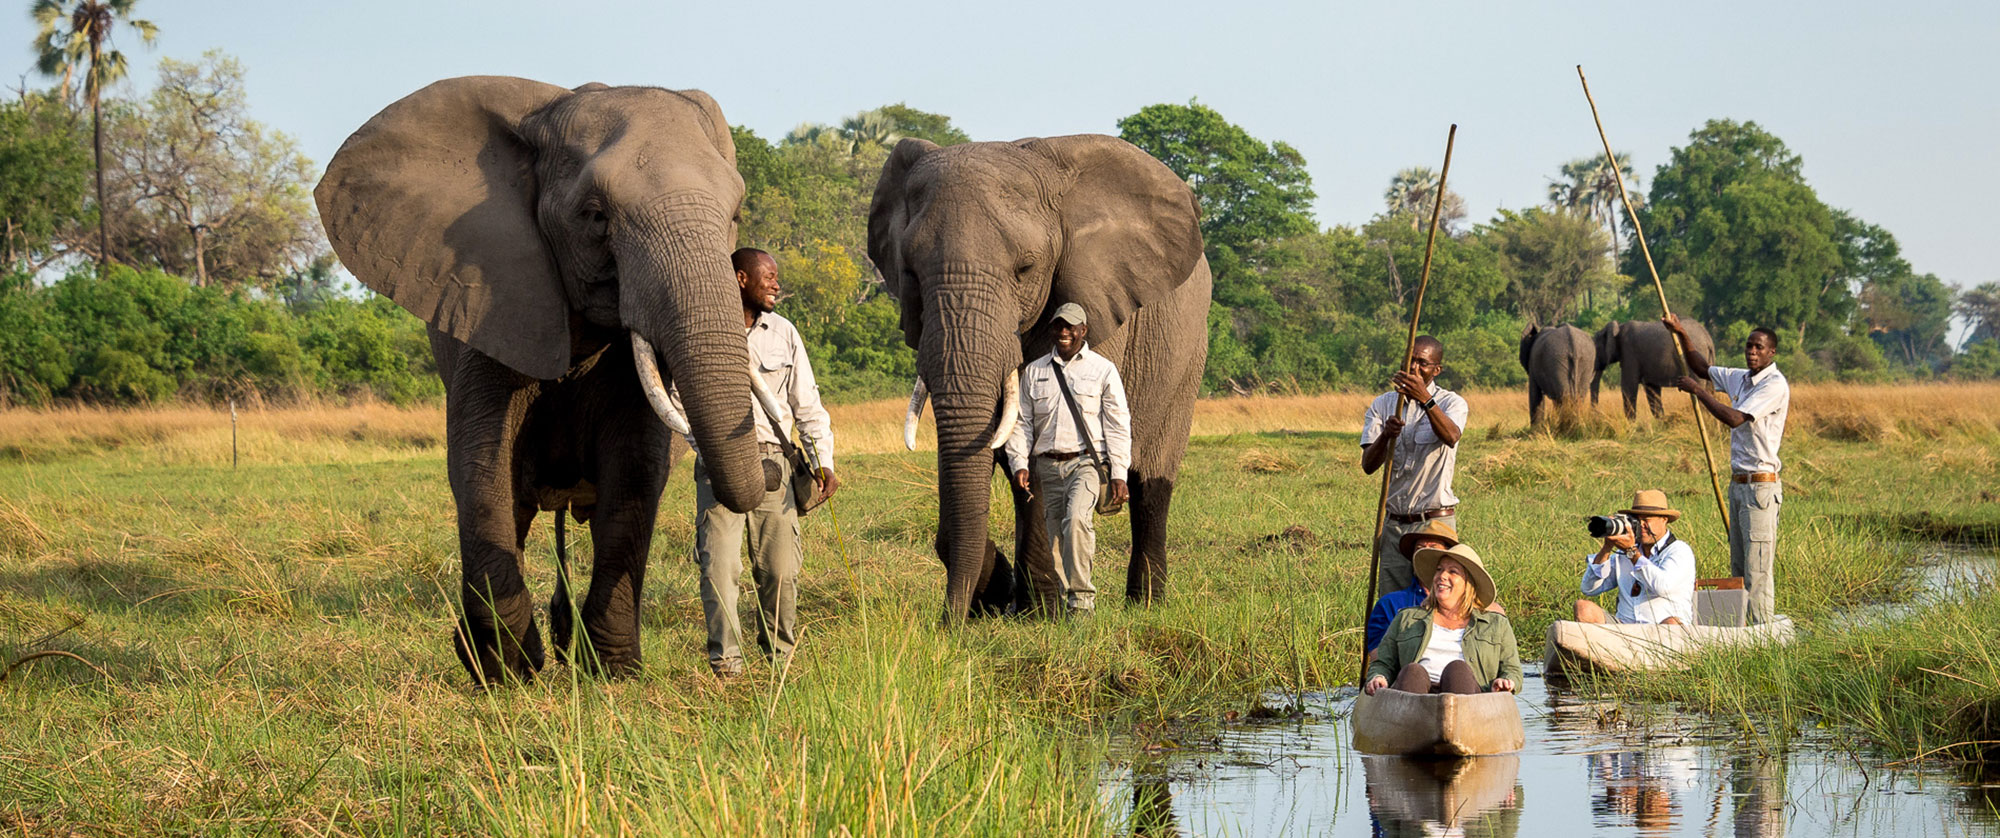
(1561,361)
(540,232)
(980,243)
(1645,355)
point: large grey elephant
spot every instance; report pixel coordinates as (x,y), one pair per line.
(570,252)
(979,243)
(1644,353)
(1561,362)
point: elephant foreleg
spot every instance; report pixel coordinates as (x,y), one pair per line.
(1653,401)
(621,530)
(1146,578)
(496,637)
(1035,589)
(1535,396)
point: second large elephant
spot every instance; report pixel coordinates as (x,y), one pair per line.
(1645,355)
(1561,362)
(566,248)
(979,243)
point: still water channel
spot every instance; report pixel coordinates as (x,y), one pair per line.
(1589,768)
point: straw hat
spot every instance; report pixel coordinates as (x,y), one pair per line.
(1426,562)
(1652,502)
(1433,528)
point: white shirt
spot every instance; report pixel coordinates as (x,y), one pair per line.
(1665,580)
(1767,400)
(1422,465)
(1045,425)
(780,354)
(1446,645)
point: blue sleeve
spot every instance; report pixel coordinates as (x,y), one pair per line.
(1378,623)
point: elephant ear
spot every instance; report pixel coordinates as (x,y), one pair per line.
(1607,344)
(1528,343)
(431,203)
(1131,229)
(888,214)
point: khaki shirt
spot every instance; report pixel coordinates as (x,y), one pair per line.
(1044,424)
(780,355)
(1422,464)
(1767,400)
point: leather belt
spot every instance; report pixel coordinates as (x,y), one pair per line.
(1061,457)
(1423,516)
(1753,477)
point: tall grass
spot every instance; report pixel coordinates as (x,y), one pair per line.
(275,636)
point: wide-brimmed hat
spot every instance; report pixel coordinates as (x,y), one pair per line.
(1652,502)
(1433,528)
(1426,563)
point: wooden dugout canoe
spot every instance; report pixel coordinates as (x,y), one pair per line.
(1620,647)
(1396,722)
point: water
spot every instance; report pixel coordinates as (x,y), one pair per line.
(1598,767)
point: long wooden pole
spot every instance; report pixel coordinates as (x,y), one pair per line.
(1680,357)
(1409,351)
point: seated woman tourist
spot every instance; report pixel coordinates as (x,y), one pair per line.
(1450,643)
(1652,571)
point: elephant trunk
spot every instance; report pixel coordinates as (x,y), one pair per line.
(969,351)
(678,293)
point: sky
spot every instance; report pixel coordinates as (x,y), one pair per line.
(1890,104)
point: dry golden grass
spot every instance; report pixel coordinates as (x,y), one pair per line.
(200,435)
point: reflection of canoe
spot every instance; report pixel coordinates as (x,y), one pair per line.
(1420,792)
(1396,722)
(1618,647)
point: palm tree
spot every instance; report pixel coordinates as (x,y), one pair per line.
(80,36)
(1412,190)
(1588,186)
(869,128)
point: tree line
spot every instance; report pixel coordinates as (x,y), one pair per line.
(208,276)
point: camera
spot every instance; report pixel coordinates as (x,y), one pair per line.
(1606,526)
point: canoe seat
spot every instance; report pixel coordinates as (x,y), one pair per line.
(1721,602)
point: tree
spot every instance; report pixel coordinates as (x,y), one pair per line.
(1734,225)
(44,181)
(911,122)
(1411,193)
(60,50)
(213,192)
(1249,190)
(1910,316)
(1589,186)
(1551,260)
(1981,309)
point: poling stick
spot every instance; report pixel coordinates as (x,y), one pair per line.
(1680,353)
(1409,351)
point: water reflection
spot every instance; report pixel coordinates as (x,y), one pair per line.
(1757,782)
(1153,808)
(1476,796)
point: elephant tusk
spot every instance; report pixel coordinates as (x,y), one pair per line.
(1010,410)
(918,394)
(764,396)
(656,390)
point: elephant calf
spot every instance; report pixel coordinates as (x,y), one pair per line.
(1644,353)
(1560,360)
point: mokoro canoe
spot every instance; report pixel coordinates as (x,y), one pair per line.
(1620,647)
(1396,722)
(1429,793)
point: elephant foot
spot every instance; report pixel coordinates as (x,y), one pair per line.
(490,661)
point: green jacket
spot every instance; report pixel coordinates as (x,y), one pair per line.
(1489,646)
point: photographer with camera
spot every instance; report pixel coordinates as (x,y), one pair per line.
(1652,571)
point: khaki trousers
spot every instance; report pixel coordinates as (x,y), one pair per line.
(1396,572)
(1753,543)
(775,558)
(1069,503)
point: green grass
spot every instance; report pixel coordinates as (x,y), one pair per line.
(276,636)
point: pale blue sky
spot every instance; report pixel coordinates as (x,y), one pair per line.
(1891,104)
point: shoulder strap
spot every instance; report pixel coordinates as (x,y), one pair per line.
(783,433)
(1082,430)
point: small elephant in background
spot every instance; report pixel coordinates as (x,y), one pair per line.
(1645,354)
(1561,362)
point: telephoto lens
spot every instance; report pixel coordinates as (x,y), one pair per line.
(1606,526)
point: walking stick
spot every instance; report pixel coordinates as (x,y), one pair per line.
(1680,352)
(1409,350)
